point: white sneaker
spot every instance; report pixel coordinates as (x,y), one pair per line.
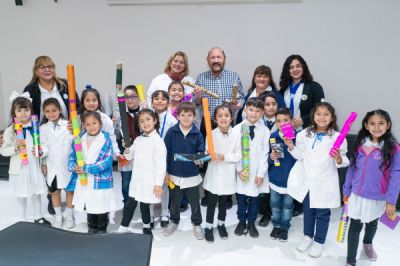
(170,229)
(69,222)
(58,220)
(123,229)
(304,244)
(198,232)
(316,250)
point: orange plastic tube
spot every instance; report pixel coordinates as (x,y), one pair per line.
(207,120)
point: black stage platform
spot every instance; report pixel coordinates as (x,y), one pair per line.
(32,244)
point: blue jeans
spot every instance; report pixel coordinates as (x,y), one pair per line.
(126,179)
(247,208)
(282,209)
(316,221)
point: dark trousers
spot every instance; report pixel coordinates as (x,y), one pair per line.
(129,209)
(212,202)
(126,180)
(193,196)
(247,208)
(316,221)
(98,221)
(353,237)
(265,207)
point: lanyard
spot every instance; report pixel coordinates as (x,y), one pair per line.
(293,90)
(163,125)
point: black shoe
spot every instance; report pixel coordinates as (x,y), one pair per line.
(229,203)
(92,231)
(251,227)
(297,213)
(152,223)
(283,235)
(147,231)
(164,223)
(204,201)
(264,221)
(42,221)
(183,207)
(275,233)
(50,207)
(222,231)
(101,232)
(209,235)
(240,229)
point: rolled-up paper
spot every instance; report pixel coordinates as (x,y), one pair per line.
(75,123)
(245,140)
(343,133)
(140,91)
(207,121)
(235,91)
(208,92)
(192,157)
(21,142)
(122,107)
(344,220)
(36,135)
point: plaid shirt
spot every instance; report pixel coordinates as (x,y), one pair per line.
(101,169)
(221,85)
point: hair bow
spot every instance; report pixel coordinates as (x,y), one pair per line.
(15,95)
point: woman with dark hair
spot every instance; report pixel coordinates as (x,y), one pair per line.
(262,81)
(301,93)
(299,90)
(45,84)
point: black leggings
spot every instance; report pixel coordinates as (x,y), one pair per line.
(129,209)
(212,202)
(353,237)
(98,221)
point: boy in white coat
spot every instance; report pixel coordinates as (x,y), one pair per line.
(255,182)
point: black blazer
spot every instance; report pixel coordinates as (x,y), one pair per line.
(35,95)
(313,93)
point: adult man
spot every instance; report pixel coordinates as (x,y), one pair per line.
(220,81)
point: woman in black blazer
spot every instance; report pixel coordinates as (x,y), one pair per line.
(299,90)
(44,76)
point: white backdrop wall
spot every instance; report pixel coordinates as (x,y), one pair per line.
(351,46)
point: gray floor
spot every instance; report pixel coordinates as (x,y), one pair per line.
(183,249)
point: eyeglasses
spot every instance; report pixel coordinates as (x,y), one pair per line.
(49,67)
(132,97)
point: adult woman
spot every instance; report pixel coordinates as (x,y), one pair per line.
(176,69)
(45,84)
(299,90)
(262,81)
(301,93)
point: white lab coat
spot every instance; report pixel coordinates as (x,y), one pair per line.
(220,178)
(149,156)
(259,148)
(58,141)
(315,171)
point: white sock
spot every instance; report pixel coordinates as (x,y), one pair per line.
(221,222)
(146,225)
(58,211)
(21,202)
(36,206)
(69,211)
(209,226)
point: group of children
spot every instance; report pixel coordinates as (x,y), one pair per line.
(306,171)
